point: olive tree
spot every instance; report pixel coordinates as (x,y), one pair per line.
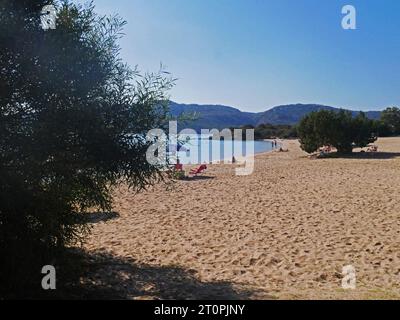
(73,124)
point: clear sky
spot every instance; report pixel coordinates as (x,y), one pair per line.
(256,54)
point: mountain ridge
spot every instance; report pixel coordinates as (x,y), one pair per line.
(221,116)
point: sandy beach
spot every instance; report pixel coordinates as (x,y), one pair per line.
(284,232)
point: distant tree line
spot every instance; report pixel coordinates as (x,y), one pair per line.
(270,131)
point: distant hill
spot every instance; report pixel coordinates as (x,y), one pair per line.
(213,116)
(292,114)
(220,117)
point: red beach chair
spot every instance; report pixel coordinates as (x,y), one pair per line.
(199,170)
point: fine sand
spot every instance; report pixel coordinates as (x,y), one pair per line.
(284,232)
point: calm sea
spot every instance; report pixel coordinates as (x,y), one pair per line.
(198,150)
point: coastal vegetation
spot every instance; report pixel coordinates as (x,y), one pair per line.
(390,121)
(73,120)
(338,129)
(270,131)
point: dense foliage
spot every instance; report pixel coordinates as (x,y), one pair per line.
(73,120)
(338,129)
(390,119)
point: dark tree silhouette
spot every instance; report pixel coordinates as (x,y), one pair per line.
(73,120)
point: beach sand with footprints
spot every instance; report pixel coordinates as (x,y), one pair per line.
(284,232)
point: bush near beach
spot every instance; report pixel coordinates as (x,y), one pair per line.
(390,120)
(338,129)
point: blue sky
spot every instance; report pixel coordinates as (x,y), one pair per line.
(256,54)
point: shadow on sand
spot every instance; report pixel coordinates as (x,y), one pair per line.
(377,155)
(197,178)
(96,217)
(363,156)
(104,276)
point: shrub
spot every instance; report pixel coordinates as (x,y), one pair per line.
(390,118)
(338,129)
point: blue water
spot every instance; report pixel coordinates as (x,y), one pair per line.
(203,150)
